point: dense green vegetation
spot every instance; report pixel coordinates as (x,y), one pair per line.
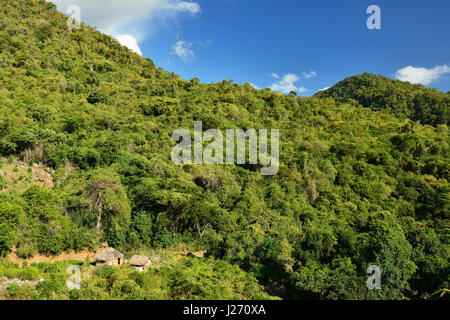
(189,279)
(361,181)
(401,98)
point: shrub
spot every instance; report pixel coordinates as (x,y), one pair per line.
(97,96)
(44,32)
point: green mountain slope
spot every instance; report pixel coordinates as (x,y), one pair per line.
(427,106)
(356,187)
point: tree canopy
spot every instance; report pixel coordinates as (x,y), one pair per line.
(363,179)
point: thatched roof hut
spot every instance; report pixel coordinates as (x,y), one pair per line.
(140,261)
(109,256)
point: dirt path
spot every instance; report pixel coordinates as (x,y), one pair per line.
(82,256)
(77,256)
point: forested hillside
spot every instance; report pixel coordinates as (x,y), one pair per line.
(363,179)
(416,102)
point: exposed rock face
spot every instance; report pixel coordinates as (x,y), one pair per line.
(197,254)
(4,285)
(19,175)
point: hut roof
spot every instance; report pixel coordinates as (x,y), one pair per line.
(139,261)
(108,255)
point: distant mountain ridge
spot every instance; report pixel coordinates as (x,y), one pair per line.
(427,106)
(355,187)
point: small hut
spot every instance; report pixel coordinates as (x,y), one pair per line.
(140,263)
(110,257)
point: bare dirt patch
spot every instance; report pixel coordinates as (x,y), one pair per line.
(74,256)
(18,175)
(65,256)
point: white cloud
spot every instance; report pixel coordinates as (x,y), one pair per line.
(286,84)
(205,44)
(323,89)
(422,75)
(129,42)
(122,18)
(183,50)
(118,13)
(309,75)
(254,85)
(183,6)
(274,75)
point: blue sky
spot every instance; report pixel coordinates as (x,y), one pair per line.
(284,44)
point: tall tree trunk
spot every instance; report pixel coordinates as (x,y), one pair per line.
(99,209)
